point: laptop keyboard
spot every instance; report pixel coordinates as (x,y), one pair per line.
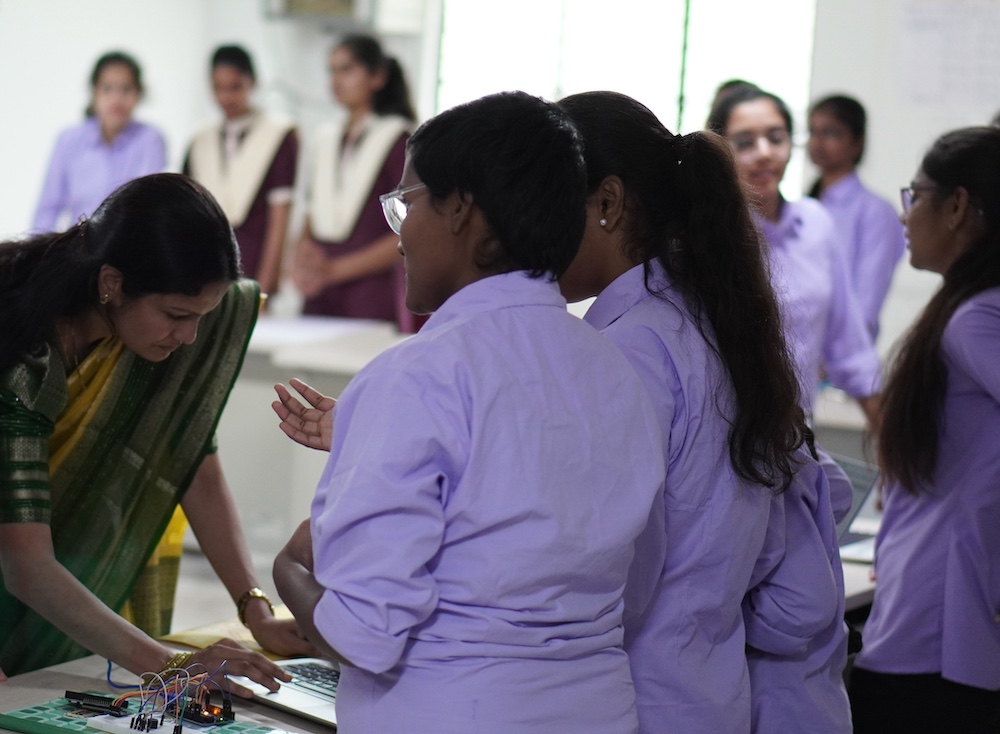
(318,679)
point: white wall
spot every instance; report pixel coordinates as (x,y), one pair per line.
(48,48)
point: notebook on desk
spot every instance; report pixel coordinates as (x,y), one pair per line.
(311,693)
(857,531)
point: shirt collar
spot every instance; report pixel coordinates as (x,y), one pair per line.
(623,293)
(495,292)
(785,228)
(842,190)
(95,139)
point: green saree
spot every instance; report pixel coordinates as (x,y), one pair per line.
(125,444)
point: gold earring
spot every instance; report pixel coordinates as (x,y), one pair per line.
(105,297)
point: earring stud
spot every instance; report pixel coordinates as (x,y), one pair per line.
(603,222)
(105,297)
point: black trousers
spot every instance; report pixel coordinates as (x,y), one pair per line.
(884,703)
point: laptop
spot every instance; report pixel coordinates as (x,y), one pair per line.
(856,532)
(311,693)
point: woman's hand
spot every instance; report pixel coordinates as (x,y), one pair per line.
(280,636)
(234,659)
(311,427)
(311,270)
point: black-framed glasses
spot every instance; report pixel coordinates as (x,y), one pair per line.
(394,206)
(906,194)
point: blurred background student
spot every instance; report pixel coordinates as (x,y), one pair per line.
(868,227)
(931,656)
(248,162)
(346,260)
(107,149)
(822,320)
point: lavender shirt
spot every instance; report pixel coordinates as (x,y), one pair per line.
(84,169)
(823,323)
(937,598)
(794,613)
(872,239)
(688,650)
(474,526)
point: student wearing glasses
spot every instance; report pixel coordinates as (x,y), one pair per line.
(346,262)
(490,478)
(931,656)
(824,325)
(867,226)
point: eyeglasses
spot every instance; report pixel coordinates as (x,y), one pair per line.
(746,143)
(395,207)
(906,194)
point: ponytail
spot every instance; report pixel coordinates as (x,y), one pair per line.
(394,96)
(686,209)
(717,259)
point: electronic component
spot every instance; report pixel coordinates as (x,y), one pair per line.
(94,702)
(206,713)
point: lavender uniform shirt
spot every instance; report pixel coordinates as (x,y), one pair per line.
(475,526)
(937,555)
(794,612)
(84,169)
(687,651)
(823,323)
(873,241)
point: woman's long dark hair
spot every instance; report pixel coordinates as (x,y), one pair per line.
(394,97)
(164,233)
(685,208)
(915,390)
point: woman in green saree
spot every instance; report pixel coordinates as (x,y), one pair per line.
(121,340)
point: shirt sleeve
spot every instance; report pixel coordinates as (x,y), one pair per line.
(848,351)
(55,189)
(973,342)
(795,596)
(154,153)
(378,519)
(280,180)
(880,245)
(24,463)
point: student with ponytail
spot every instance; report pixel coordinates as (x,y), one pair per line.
(931,658)
(346,260)
(671,253)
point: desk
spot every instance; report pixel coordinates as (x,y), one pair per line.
(88,674)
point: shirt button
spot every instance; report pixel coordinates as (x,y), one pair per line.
(997,618)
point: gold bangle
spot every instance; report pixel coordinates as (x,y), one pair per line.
(179,660)
(241,605)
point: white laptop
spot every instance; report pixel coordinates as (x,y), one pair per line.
(857,531)
(311,694)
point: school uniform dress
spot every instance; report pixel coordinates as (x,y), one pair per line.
(687,650)
(475,524)
(248,164)
(872,239)
(937,597)
(84,169)
(794,612)
(345,216)
(823,323)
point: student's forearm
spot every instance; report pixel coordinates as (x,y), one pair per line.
(274,241)
(377,257)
